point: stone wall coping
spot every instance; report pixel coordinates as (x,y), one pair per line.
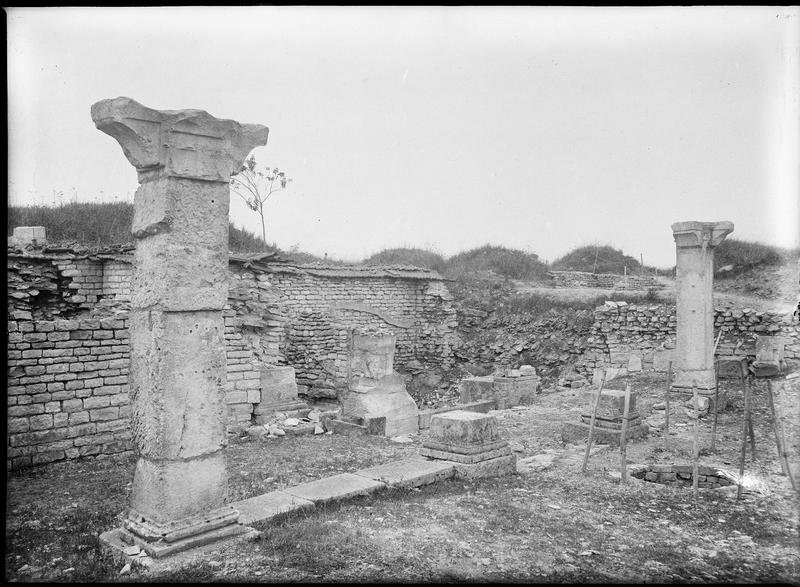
(252,262)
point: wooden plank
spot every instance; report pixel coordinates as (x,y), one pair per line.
(623,443)
(666,414)
(779,437)
(695,444)
(591,422)
(744,438)
(748,414)
(716,402)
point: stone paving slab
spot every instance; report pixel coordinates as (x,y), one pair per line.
(269,505)
(412,472)
(335,488)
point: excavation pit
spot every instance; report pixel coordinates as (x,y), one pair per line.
(681,475)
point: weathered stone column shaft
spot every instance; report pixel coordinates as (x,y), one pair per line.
(694,346)
(179,286)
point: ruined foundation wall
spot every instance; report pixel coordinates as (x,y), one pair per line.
(46,288)
(621,329)
(68,343)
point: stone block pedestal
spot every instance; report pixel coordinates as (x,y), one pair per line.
(471,442)
(375,390)
(608,419)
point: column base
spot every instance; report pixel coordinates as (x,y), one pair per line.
(150,530)
(117,540)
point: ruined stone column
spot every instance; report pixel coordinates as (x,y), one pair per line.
(184,160)
(694,347)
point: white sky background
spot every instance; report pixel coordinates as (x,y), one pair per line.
(448,128)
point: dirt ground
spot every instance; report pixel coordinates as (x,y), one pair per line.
(549,522)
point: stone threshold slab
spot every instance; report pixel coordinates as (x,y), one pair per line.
(408,473)
(269,506)
(335,488)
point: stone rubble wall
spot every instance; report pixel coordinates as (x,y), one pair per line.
(621,329)
(603,280)
(68,343)
(48,288)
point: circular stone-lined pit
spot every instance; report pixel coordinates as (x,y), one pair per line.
(680,475)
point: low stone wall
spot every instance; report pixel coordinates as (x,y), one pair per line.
(681,475)
(647,332)
(603,280)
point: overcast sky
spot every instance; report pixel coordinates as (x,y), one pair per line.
(446,128)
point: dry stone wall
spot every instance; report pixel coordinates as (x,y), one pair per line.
(68,340)
(603,280)
(621,330)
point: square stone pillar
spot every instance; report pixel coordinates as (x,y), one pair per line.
(694,346)
(179,286)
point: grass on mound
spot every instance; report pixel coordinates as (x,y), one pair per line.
(509,263)
(408,256)
(597,259)
(739,256)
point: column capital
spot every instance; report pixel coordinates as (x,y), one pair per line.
(188,144)
(693,233)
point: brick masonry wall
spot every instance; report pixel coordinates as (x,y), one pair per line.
(603,280)
(321,312)
(67,389)
(286,315)
(621,329)
(116,280)
(67,378)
